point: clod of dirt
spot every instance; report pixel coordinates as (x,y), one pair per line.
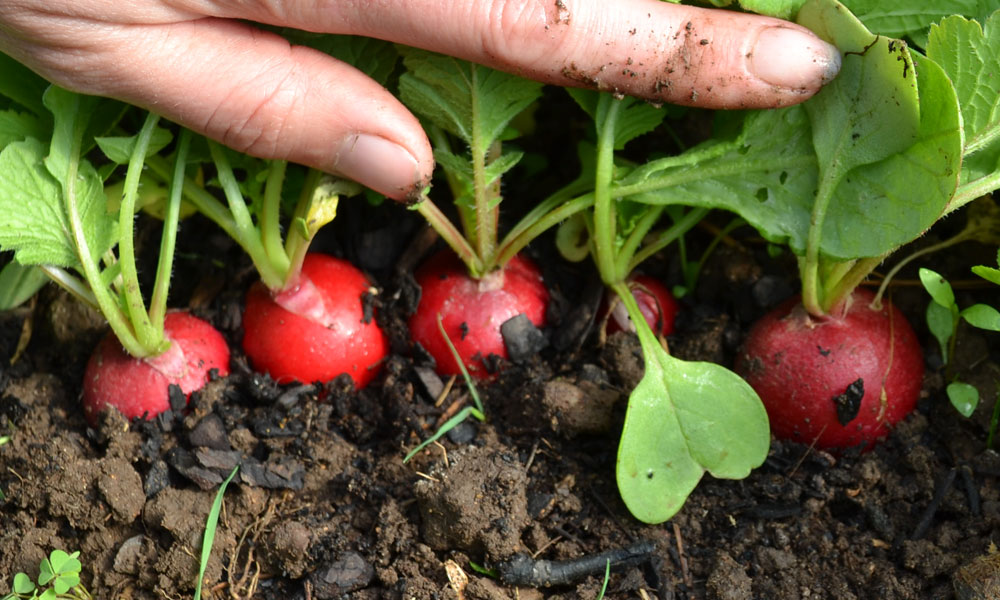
(623,356)
(728,580)
(121,488)
(522,339)
(288,549)
(350,572)
(581,408)
(210,432)
(478,504)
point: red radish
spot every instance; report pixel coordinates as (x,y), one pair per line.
(316,330)
(655,301)
(804,368)
(472,311)
(138,386)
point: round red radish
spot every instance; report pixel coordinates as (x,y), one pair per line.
(138,387)
(657,304)
(472,311)
(318,329)
(861,362)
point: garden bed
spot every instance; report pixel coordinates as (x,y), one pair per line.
(324,505)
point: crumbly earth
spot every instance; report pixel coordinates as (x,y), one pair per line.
(324,505)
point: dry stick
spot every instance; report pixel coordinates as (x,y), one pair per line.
(924,524)
(685,573)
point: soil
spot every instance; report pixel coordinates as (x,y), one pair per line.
(521,506)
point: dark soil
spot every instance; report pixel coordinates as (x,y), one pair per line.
(324,506)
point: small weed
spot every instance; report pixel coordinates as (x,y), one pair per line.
(58,577)
(943,317)
(476,411)
(210,525)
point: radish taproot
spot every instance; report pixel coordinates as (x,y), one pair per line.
(316,329)
(472,310)
(839,381)
(139,387)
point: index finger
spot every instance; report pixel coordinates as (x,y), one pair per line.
(647,48)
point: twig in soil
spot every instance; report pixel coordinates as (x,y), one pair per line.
(522,570)
(445,391)
(444,454)
(681,558)
(531,457)
(545,546)
(924,524)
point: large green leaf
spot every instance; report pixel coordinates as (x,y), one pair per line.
(970,55)
(35,223)
(767,176)
(901,18)
(471,101)
(685,418)
(770,174)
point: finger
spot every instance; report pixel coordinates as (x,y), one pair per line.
(254,92)
(647,48)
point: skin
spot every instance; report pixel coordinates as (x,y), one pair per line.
(199,63)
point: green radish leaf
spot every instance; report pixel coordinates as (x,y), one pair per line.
(470,101)
(684,418)
(18,283)
(35,225)
(783,9)
(967,51)
(18,126)
(964,397)
(375,58)
(941,323)
(982,316)
(988,273)
(635,117)
(119,149)
(496,169)
(871,110)
(22,85)
(901,18)
(770,174)
(938,287)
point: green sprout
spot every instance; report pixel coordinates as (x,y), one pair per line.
(476,411)
(943,317)
(58,577)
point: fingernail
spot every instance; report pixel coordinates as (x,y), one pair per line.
(794,59)
(377,163)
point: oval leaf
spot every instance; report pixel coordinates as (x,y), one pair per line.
(963,397)
(685,418)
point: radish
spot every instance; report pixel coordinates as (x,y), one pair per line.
(305,320)
(317,329)
(839,381)
(657,304)
(138,387)
(472,311)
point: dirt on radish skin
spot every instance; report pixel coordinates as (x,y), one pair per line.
(138,387)
(472,311)
(318,330)
(840,381)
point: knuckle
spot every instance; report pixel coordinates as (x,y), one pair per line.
(520,31)
(255,118)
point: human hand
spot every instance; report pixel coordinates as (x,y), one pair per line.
(199,63)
